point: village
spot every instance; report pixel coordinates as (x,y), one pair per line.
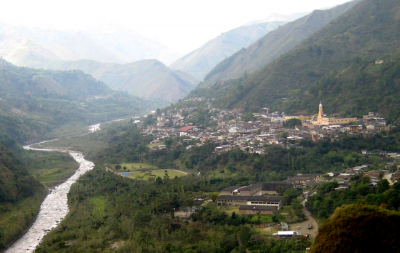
(253,132)
(230,129)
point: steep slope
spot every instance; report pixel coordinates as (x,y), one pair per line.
(359,228)
(273,45)
(336,65)
(19,50)
(34,102)
(150,79)
(20,197)
(199,62)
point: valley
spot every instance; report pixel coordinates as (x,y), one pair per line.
(278,135)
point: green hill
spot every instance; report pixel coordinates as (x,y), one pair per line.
(34,102)
(359,228)
(272,45)
(20,197)
(149,79)
(335,65)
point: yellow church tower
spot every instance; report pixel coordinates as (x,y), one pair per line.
(320,113)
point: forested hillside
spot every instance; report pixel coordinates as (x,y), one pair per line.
(20,197)
(34,102)
(336,65)
(273,45)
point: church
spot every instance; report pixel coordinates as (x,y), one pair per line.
(321,120)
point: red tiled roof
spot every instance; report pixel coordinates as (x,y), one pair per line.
(186,128)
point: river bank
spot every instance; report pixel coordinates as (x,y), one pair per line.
(53,209)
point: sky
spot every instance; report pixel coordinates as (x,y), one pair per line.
(182,25)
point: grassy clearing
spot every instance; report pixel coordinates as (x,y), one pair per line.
(230,209)
(50,168)
(155,145)
(137,166)
(99,206)
(88,144)
(67,130)
(262,218)
(156,173)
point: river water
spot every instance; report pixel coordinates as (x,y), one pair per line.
(53,209)
(55,206)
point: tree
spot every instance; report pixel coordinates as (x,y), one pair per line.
(382,186)
(213,196)
(118,167)
(166,176)
(291,123)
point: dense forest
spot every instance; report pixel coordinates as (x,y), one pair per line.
(20,197)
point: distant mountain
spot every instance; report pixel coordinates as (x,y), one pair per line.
(336,65)
(34,102)
(279,17)
(149,79)
(130,46)
(199,62)
(273,45)
(25,45)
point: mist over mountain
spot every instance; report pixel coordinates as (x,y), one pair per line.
(149,79)
(130,46)
(278,17)
(26,46)
(273,45)
(200,61)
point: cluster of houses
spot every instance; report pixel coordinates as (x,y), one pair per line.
(266,198)
(263,198)
(228,129)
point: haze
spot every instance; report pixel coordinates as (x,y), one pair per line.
(180,24)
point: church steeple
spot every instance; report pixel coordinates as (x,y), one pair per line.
(320,113)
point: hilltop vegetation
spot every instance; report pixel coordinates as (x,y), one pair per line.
(335,65)
(359,228)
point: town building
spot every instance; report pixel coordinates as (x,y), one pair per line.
(322,120)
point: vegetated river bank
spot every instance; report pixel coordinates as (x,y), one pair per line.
(54,207)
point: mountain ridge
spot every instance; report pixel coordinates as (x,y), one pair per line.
(335,65)
(273,45)
(201,60)
(149,79)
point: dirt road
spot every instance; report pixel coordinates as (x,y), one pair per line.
(302,227)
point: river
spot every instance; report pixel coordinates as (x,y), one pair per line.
(55,206)
(53,209)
